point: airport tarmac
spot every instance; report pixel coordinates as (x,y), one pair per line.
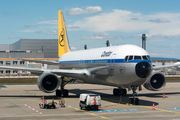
(20,102)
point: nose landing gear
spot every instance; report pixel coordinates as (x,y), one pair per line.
(134,100)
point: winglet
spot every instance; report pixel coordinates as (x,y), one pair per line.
(63,45)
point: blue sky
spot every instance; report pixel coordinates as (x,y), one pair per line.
(92,22)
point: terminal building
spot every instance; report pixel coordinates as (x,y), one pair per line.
(11,54)
(33,48)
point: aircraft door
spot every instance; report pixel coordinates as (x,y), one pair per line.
(112,61)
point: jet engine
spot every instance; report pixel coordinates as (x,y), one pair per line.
(48,82)
(156,82)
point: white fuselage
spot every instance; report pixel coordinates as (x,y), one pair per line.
(120,72)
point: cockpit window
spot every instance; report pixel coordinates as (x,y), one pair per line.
(130,58)
(148,57)
(137,57)
(145,58)
(126,58)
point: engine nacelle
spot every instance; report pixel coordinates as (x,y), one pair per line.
(156,82)
(48,82)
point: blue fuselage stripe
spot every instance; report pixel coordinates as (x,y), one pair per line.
(101,61)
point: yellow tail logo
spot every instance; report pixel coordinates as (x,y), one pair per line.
(63,45)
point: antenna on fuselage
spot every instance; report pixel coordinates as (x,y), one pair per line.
(85,47)
(144,41)
(107,43)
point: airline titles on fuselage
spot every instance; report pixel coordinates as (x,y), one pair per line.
(106,54)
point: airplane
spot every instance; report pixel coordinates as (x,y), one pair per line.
(124,66)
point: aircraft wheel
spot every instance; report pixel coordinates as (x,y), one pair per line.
(116,92)
(87,108)
(97,108)
(136,101)
(65,93)
(124,92)
(131,100)
(58,93)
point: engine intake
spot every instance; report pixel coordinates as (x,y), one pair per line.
(48,82)
(156,82)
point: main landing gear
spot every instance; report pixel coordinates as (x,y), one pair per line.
(119,91)
(134,100)
(63,92)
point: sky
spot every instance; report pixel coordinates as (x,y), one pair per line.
(93,22)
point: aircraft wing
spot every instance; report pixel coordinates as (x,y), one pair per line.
(166,66)
(49,62)
(39,70)
(78,73)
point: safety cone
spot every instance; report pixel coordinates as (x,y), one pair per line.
(43,98)
(62,102)
(94,101)
(153,107)
(163,96)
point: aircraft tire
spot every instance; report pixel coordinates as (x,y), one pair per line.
(116,92)
(65,93)
(58,93)
(131,100)
(136,101)
(124,92)
(87,108)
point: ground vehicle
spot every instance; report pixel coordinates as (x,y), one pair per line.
(45,104)
(89,101)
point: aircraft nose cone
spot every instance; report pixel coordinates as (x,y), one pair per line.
(143,69)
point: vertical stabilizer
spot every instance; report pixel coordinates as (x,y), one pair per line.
(63,45)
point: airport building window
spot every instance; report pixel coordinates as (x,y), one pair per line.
(21,62)
(8,62)
(1,62)
(15,62)
(14,71)
(2,51)
(1,71)
(8,71)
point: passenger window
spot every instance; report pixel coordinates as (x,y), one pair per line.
(130,58)
(137,57)
(126,58)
